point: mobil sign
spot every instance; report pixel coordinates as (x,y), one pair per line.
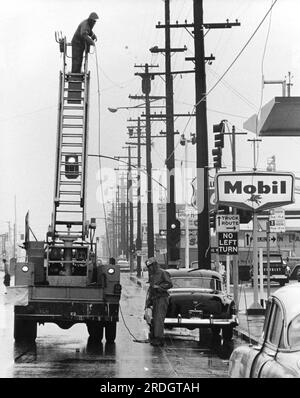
(254,190)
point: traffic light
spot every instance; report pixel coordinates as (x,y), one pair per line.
(219,144)
(173,238)
(212,219)
(174,233)
(130,131)
(182,139)
(217,157)
(71,166)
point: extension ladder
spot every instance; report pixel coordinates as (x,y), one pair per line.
(69,215)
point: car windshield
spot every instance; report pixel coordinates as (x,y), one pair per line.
(294,333)
(196,282)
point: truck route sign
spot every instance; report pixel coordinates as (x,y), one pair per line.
(227,223)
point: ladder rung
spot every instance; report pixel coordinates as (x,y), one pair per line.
(77,164)
(73,173)
(72,126)
(69,211)
(68,222)
(71,153)
(73,90)
(73,116)
(70,182)
(69,202)
(70,192)
(75,74)
(73,108)
(69,144)
(73,99)
(72,135)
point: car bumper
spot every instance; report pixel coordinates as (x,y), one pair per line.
(200,322)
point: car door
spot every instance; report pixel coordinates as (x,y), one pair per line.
(266,360)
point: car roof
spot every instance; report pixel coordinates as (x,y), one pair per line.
(192,272)
(289,296)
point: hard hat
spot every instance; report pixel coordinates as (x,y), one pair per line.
(93,16)
(150,261)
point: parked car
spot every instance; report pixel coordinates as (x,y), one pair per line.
(279,270)
(124,265)
(277,355)
(197,300)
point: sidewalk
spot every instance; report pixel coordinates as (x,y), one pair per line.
(249,328)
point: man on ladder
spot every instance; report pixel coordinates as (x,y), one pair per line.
(83,38)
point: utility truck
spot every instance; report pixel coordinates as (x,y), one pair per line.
(61,280)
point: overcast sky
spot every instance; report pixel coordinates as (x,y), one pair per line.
(30,63)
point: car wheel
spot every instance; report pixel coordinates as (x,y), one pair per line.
(227,333)
(95,330)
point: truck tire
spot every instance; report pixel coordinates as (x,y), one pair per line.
(24,330)
(227,333)
(110,332)
(95,330)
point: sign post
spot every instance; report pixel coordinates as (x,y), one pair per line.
(255,191)
(268,259)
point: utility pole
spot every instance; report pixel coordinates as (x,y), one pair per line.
(130,200)
(173,255)
(138,242)
(146,89)
(201,125)
(184,141)
(204,257)
(123,232)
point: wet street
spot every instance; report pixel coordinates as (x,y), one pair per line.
(60,353)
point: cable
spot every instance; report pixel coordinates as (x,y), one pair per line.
(132,335)
(100,166)
(262,87)
(238,55)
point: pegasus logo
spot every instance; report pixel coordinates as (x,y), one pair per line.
(254,198)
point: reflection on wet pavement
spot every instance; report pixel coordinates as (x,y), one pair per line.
(72,354)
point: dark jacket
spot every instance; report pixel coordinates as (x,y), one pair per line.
(160,282)
(84,33)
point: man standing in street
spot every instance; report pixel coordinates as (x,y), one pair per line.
(158,299)
(83,38)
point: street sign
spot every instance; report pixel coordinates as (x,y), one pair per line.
(254,191)
(277,220)
(228,243)
(261,239)
(227,223)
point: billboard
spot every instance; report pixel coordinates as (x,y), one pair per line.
(254,191)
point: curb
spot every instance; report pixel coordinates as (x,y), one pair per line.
(245,336)
(138,281)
